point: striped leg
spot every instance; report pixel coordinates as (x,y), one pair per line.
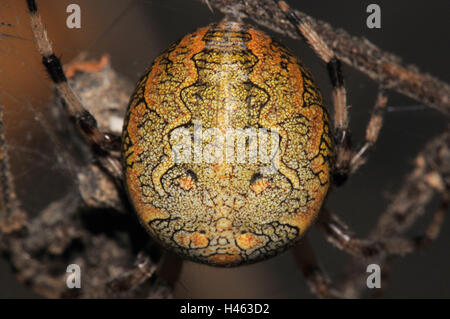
(339,235)
(317,280)
(164,273)
(346,161)
(342,134)
(372,131)
(168,275)
(102,143)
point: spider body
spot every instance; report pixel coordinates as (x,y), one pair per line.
(226,154)
(227,147)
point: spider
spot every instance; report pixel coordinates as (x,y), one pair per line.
(106,147)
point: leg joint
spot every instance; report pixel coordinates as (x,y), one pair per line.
(335,71)
(54,68)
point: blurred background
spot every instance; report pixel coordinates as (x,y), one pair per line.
(134,32)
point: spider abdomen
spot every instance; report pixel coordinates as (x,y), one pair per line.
(227,147)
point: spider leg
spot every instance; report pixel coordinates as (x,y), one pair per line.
(340,236)
(167,276)
(102,143)
(342,133)
(317,280)
(143,269)
(164,272)
(372,131)
(12,217)
(429,177)
(351,281)
(373,128)
(347,162)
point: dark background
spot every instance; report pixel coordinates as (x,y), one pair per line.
(135,32)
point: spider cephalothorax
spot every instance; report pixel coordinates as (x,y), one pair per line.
(231,93)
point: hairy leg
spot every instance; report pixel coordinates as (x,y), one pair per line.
(373,128)
(347,161)
(105,145)
(317,280)
(163,272)
(340,236)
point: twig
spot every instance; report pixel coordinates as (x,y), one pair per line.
(12,217)
(384,68)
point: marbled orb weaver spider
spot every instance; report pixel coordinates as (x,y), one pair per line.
(231,214)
